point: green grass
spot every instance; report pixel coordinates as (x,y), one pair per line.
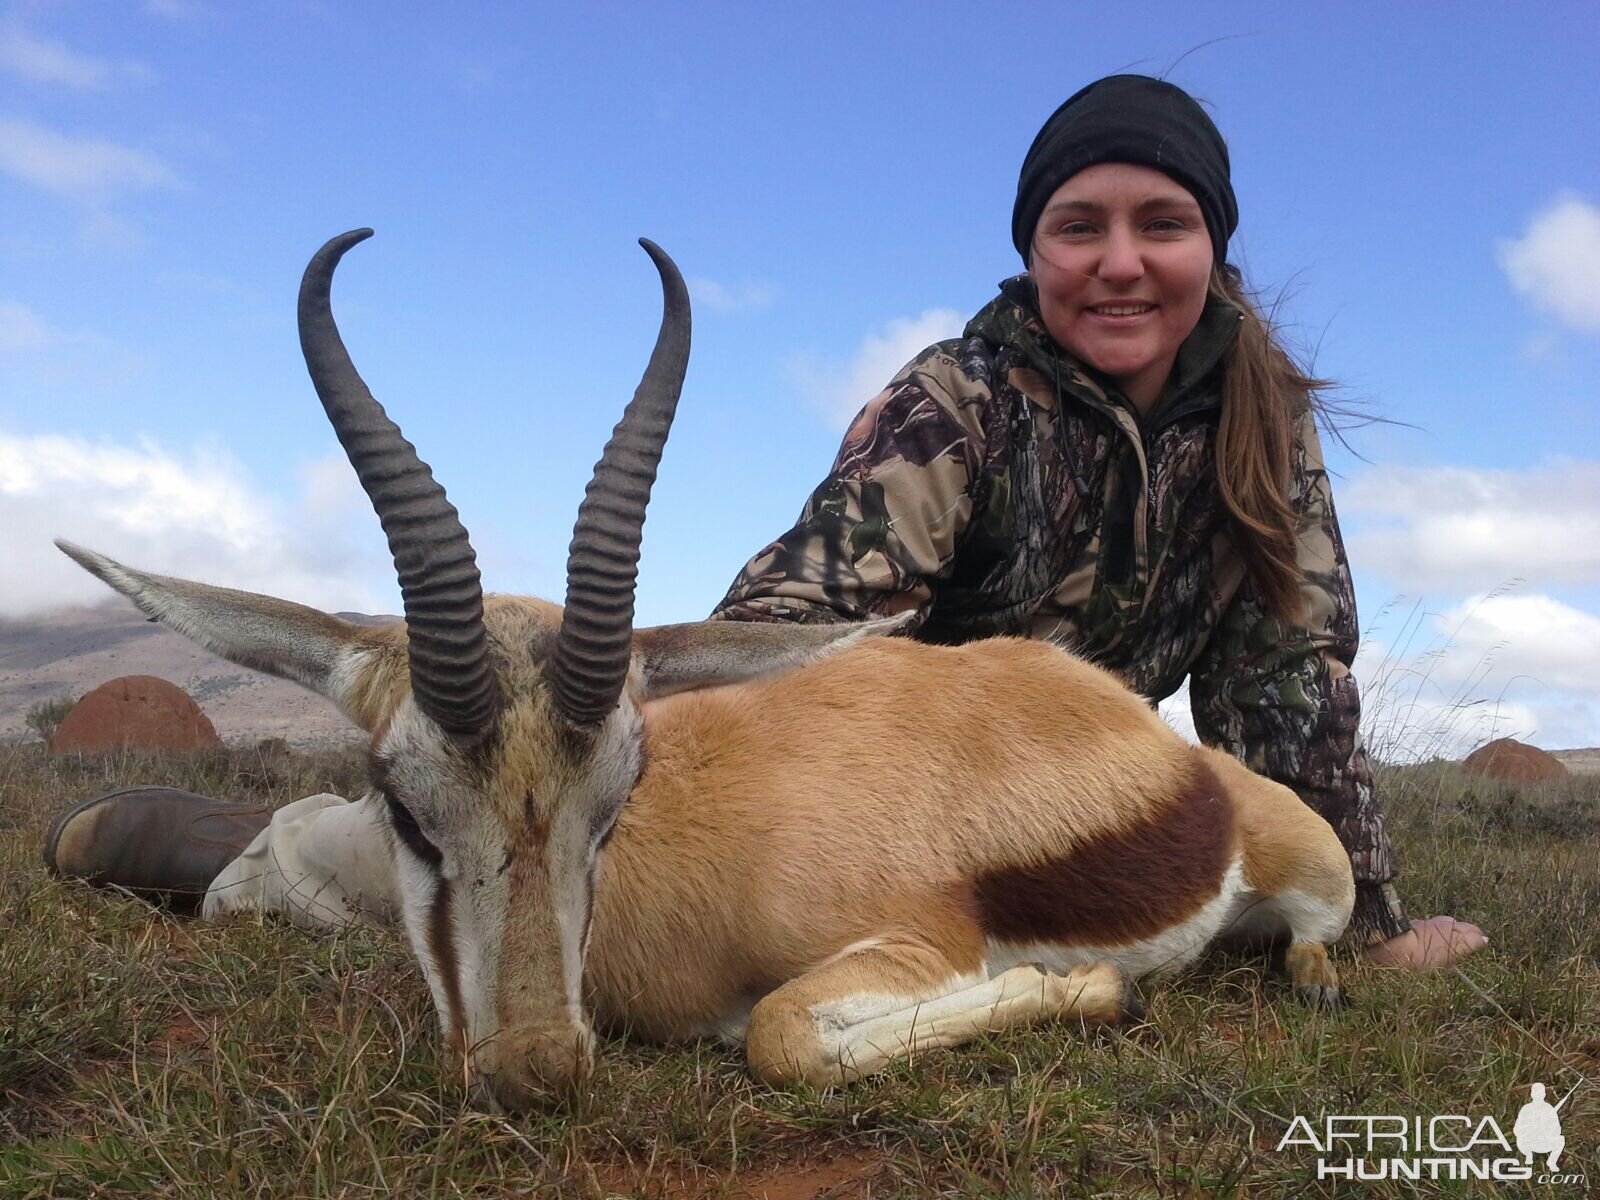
(142,1055)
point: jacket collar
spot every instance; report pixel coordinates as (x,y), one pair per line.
(1012,319)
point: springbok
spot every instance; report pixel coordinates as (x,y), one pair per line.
(840,847)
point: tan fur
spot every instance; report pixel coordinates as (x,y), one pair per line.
(1286,844)
(781,820)
(384,680)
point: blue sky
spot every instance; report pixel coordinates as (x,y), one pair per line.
(1420,182)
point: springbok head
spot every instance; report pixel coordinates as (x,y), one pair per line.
(506,734)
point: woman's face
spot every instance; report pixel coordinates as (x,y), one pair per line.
(1121,257)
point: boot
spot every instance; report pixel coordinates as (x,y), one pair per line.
(161,843)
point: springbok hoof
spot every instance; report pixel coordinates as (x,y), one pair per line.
(1315,981)
(1321,996)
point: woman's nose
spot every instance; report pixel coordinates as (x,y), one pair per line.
(1121,261)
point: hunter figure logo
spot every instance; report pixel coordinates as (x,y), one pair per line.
(1538,1128)
(1448,1146)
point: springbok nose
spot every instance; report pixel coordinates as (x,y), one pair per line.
(532,1069)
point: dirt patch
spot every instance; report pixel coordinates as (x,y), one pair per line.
(849,1175)
(181,1035)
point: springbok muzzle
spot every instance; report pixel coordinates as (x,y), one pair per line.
(527,1069)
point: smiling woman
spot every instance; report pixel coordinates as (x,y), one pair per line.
(1121,260)
(1120,456)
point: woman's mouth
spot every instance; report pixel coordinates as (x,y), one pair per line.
(1120,310)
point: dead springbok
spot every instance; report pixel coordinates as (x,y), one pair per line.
(839,847)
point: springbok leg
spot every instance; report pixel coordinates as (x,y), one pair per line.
(859,1013)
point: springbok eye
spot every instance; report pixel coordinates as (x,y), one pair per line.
(409,832)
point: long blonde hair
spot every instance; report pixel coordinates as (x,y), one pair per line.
(1265,396)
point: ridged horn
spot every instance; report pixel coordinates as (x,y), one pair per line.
(451,677)
(590,662)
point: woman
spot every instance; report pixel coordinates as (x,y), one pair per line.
(1119,456)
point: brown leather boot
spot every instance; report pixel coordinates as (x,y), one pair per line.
(162,843)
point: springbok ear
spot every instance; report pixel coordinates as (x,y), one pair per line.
(680,658)
(288,640)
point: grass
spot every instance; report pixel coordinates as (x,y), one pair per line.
(143,1055)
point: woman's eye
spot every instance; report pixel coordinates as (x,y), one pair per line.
(1166,225)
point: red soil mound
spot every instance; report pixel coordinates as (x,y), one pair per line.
(1514,762)
(138,711)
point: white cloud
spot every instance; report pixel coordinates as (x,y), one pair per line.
(194,514)
(40,61)
(724,297)
(1432,530)
(1440,684)
(85,169)
(1494,665)
(1556,263)
(838,390)
(1550,643)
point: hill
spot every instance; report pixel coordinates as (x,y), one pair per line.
(74,650)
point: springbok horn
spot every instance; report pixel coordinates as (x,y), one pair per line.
(449,650)
(591,656)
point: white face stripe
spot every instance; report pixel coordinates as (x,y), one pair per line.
(417,883)
(571,863)
(572,847)
(453,906)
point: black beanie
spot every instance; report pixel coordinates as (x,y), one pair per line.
(1129,119)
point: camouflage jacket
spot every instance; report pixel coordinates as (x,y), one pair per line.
(998,487)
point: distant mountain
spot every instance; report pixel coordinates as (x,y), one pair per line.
(1580,762)
(75,650)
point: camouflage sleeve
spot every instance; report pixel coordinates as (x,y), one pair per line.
(1280,696)
(887,519)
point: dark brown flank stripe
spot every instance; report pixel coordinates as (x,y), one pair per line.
(1120,887)
(444,958)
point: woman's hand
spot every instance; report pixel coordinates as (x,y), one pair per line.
(1431,944)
